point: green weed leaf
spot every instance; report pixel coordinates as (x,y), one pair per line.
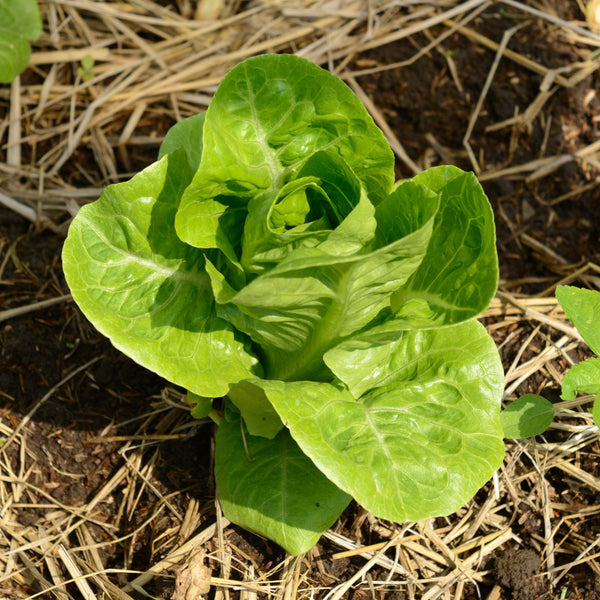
(526,416)
(19,22)
(582,377)
(582,307)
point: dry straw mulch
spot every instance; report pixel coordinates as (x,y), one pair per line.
(67,133)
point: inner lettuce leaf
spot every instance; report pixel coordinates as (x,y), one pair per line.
(269,258)
(459,275)
(269,115)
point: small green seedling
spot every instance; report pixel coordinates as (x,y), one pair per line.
(269,257)
(86,70)
(20,21)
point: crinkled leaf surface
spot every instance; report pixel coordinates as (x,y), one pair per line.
(526,416)
(312,299)
(384,355)
(270,487)
(582,307)
(269,115)
(309,211)
(424,436)
(19,21)
(148,291)
(459,276)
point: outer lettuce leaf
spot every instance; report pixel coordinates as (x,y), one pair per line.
(270,487)
(185,135)
(383,356)
(259,415)
(148,291)
(269,115)
(422,440)
(459,276)
(200,407)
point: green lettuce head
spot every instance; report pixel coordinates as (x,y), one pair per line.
(269,257)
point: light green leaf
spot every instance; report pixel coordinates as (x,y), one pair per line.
(187,135)
(311,300)
(21,17)
(582,307)
(14,55)
(267,239)
(269,115)
(19,21)
(148,291)
(385,355)
(582,377)
(270,487)
(292,210)
(458,277)
(526,416)
(419,445)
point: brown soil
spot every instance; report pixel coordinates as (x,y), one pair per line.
(541,238)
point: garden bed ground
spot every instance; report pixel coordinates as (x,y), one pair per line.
(106,488)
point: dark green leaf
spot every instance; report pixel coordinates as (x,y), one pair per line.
(270,487)
(526,416)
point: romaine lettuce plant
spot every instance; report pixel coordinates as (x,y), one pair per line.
(269,258)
